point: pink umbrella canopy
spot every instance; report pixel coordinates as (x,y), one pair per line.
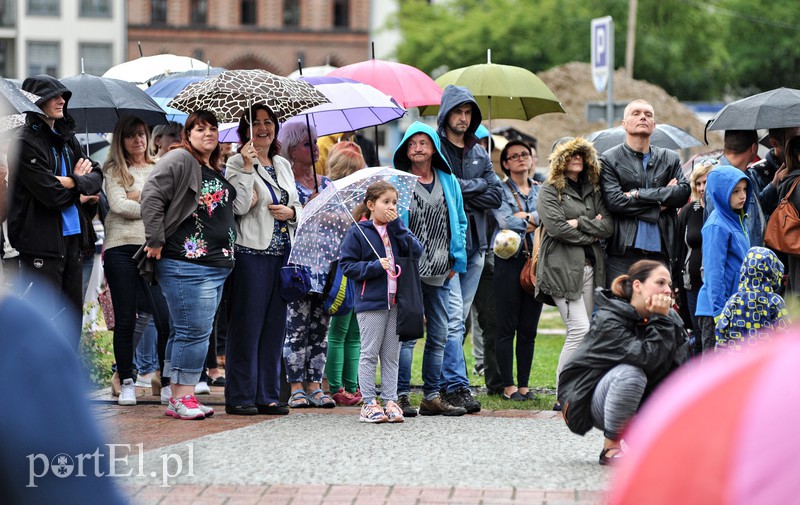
(721,432)
(408,85)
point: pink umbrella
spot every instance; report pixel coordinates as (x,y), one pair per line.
(722,432)
(408,85)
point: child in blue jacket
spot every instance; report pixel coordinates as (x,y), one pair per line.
(367,257)
(725,243)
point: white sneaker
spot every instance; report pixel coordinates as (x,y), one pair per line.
(185,408)
(166,394)
(144,380)
(127,395)
(201,388)
(207,411)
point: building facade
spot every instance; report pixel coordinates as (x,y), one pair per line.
(241,34)
(60,37)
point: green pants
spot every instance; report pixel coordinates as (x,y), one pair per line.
(344,349)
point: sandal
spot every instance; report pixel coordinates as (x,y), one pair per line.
(299,400)
(614,458)
(323,402)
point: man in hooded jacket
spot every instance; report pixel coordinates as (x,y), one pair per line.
(459,118)
(49,173)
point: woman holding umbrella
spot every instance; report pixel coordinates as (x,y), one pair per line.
(305,348)
(268,208)
(187,208)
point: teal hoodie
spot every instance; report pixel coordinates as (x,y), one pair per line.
(725,241)
(450,187)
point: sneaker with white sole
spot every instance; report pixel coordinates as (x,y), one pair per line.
(127,394)
(394,413)
(201,388)
(144,380)
(372,412)
(166,394)
(206,410)
(185,408)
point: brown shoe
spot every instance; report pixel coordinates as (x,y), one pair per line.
(437,407)
(116,386)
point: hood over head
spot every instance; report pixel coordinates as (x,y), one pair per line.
(400,158)
(454,96)
(719,186)
(560,157)
(46,87)
(761,271)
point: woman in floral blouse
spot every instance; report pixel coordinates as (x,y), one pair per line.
(187,208)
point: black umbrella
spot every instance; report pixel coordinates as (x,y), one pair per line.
(667,136)
(778,108)
(97,103)
(15,101)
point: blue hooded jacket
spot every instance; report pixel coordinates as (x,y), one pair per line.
(450,187)
(725,241)
(480,186)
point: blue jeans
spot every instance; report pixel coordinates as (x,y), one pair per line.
(145,358)
(434,364)
(193,293)
(462,291)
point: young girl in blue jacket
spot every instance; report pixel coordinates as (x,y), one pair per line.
(367,257)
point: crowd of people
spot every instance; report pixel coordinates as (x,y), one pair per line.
(636,257)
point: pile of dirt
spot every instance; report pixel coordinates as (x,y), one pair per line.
(572,84)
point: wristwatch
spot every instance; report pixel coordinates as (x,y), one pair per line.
(634,193)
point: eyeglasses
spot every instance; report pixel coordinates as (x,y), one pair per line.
(520,156)
(708,162)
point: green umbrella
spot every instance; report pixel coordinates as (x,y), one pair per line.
(502,91)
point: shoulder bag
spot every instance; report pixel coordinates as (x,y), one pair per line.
(783,229)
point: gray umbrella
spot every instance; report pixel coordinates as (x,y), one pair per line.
(667,136)
(15,101)
(778,108)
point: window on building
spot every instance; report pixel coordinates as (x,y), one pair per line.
(96,57)
(158,12)
(43,58)
(44,7)
(291,13)
(199,12)
(248,12)
(7,58)
(95,9)
(8,13)
(341,13)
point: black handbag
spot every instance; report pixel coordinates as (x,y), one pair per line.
(410,309)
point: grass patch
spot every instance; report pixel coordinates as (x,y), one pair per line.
(543,372)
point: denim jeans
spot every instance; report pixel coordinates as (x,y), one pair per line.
(434,365)
(193,293)
(462,291)
(145,359)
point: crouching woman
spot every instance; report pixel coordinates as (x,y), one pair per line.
(634,342)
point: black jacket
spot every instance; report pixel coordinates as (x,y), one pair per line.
(36,198)
(618,335)
(622,171)
(480,186)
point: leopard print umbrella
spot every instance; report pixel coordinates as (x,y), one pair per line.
(230,93)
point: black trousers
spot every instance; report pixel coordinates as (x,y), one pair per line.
(485,305)
(56,286)
(619,265)
(517,315)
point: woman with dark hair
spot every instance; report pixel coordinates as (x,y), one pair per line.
(187,208)
(575,219)
(792,156)
(634,342)
(125,172)
(268,209)
(517,310)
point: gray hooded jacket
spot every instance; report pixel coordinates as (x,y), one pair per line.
(480,185)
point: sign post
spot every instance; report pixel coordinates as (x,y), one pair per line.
(603,61)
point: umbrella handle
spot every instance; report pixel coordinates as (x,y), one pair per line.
(395,276)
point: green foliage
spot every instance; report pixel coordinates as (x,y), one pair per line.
(695,49)
(96,351)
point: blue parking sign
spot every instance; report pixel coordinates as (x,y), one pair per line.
(602,51)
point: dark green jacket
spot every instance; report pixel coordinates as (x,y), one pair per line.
(562,255)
